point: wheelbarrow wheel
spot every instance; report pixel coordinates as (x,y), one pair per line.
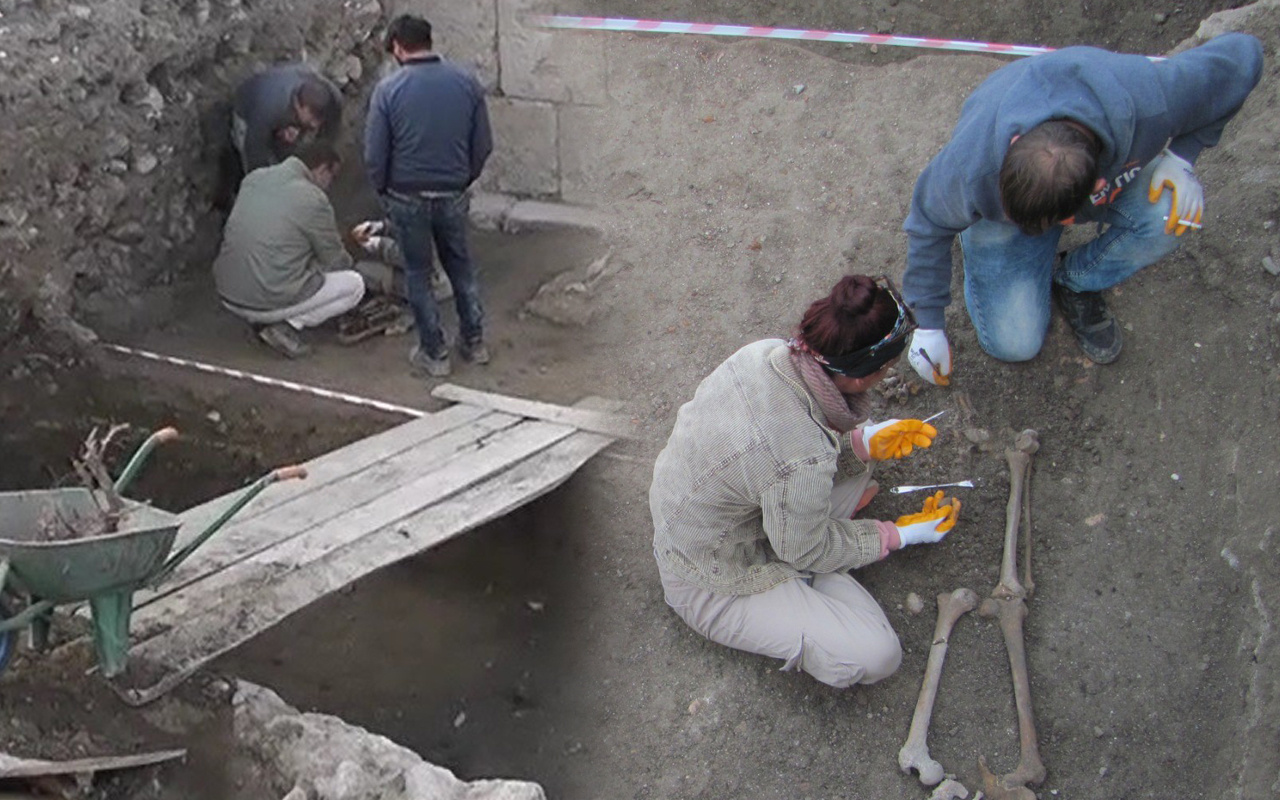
(8,639)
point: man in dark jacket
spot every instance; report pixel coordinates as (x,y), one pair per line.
(1078,135)
(426,141)
(277,108)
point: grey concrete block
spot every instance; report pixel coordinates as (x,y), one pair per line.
(526,155)
(534,215)
(489,210)
(539,64)
(463,32)
(585,153)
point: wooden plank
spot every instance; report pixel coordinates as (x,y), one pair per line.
(13,767)
(331,467)
(219,628)
(228,585)
(588,420)
(242,540)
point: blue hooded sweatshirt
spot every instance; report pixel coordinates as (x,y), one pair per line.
(1134,105)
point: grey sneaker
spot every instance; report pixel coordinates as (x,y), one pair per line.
(282,338)
(475,353)
(1096,329)
(434,367)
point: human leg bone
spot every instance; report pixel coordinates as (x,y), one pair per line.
(915,752)
(1019,458)
(1011,613)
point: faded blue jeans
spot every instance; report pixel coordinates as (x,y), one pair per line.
(418,223)
(1007,274)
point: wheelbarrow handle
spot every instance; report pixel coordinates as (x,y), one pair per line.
(252,491)
(289,473)
(131,470)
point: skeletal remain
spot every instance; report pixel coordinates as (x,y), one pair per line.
(1019,458)
(995,790)
(1030,769)
(950,790)
(1027,582)
(915,753)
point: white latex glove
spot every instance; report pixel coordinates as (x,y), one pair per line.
(1175,173)
(374,245)
(933,342)
(365,230)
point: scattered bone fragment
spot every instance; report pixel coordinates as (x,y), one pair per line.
(993,789)
(914,604)
(915,752)
(949,789)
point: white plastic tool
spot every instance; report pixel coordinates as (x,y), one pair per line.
(905,489)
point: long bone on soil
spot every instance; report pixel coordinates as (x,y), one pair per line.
(1008,605)
(1025,446)
(915,753)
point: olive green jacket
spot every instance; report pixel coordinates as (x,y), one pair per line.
(279,241)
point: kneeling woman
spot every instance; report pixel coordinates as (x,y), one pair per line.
(752,497)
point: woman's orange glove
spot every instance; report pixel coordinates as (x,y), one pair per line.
(931,523)
(896,438)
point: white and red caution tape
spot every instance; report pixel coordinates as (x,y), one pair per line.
(315,391)
(754,31)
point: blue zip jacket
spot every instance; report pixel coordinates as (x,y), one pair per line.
(427,129)
(1134,105)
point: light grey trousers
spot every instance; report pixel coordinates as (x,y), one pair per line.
(342,291)
(828,625)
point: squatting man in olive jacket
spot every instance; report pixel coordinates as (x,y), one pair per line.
(283,266)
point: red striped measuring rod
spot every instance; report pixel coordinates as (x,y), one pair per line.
(279,383)
(754,31)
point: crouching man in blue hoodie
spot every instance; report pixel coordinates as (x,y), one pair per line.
(1074,136)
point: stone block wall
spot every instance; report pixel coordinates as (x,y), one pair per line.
(537,79)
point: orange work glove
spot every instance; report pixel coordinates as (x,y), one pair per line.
(931,523)
(896,438)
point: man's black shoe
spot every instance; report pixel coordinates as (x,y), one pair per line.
(1095,327)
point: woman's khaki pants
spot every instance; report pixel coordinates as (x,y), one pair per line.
(826,625)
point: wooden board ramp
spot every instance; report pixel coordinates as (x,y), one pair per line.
(361,508)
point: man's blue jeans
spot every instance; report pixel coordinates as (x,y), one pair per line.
(417,223)
(1007,274)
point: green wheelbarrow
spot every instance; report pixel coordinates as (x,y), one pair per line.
(39,571)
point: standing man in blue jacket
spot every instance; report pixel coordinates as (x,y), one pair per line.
(1074,136)
(427,139)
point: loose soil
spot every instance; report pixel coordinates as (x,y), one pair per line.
(754,175)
